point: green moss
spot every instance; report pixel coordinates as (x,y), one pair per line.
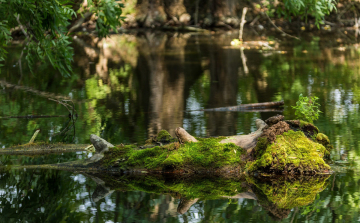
(194,187)
(207,153)
(291,152)
(324,140)
(287,194)
(116,155)
(163,135)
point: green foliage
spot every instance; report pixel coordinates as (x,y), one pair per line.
(108,14)
(307,108)
(303,8)
(45,25)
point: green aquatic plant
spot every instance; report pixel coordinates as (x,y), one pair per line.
(307,108)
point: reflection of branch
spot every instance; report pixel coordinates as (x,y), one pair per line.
(185,204)
(72,115)
(243,59)
(37,92)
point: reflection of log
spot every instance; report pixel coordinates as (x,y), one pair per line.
(263,105)
(101,191)
(185,204)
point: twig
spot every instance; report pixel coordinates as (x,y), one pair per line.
(243,21)
(333,183)
(254,20)
(79,22)
(197,12)
(72,115)
(22,27)
(22,53)
(34,136)
(62,103)
(226,25)
(280,29)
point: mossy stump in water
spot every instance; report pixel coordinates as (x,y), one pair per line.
(290,147)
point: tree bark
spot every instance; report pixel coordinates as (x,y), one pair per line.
(150,13)
(176,10)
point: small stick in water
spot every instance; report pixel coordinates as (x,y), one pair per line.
(34,136)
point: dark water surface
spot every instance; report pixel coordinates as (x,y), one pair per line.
(128,87)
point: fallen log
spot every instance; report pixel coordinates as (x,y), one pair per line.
(248,107)
(42,148)
(277,147)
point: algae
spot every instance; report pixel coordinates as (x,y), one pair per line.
(292,152)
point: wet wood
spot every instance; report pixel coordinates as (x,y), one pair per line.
(247,107)
(183,136)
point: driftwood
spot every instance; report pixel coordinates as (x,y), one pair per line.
(247,142)
(42,148)
(247,107)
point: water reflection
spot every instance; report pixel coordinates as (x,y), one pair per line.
(48,196)
(128,87)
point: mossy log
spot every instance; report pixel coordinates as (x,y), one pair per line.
(278,147)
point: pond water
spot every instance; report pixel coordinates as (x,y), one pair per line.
(128,87)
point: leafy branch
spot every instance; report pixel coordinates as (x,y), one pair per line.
(45,25)
(307,108)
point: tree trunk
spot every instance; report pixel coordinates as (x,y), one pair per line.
(150,13)
(176,10)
